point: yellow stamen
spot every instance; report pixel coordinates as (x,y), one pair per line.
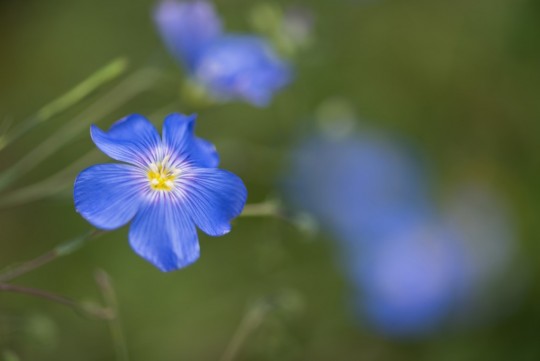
(162,178)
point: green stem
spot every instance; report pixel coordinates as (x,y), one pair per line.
(104,75)
(119,95)
(251,321)
(94,311)
(272,208)
(109,296)
(46,258)
(60,181)
(263,209)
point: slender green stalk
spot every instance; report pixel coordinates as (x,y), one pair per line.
(251,321)
(130,87)
(304,222)
(9,355)
(61,181)
(95,311)
(263,209)
(101,77)
(59,251)
(109,296)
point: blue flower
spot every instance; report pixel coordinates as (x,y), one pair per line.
(241,67)
(409,281)
(187,27)
(370,194)
(411,267)
(356,185)
(228,66)
(166,186)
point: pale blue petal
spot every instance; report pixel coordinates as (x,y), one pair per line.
(109,195)
(179,139)
(186,27)
(213,197)
(204,154)
(242,67)
(132,139)
(178,132)
(164,235)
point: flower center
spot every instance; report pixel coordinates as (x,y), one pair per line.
(161,177)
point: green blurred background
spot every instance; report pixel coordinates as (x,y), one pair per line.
(459,79)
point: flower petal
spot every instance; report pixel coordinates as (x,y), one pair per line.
(109,195)
(242,67)
(186,27)
(179,139)
(132,139)
(213,197)
(164,235)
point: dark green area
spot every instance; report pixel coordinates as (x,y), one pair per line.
(459,79)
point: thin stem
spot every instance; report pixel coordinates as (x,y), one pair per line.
(60,181)
(302,221)
(119,95)
(9,355)
(94,311)
(59,251)
(104,75)
(251,321)
(268,208)
(109,296)
(54,184)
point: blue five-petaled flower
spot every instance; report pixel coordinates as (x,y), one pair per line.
(166,186)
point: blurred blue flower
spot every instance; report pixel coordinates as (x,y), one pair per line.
(411,266)
(166,185)
(356,184)
(371,194)
(229,66)
(241,67)
(187,27)
(409,281)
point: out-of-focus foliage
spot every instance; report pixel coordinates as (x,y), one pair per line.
(458,82)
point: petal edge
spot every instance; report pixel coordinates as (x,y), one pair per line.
(163,235)
(132,139)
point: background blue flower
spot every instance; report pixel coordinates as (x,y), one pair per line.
(409,281)
(228,66)
(186,27)
(410,265)
(167,187)
(241,67)
(356,184)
